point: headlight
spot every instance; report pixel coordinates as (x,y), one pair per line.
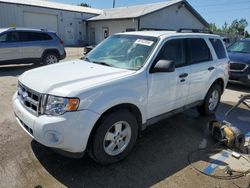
(59,105)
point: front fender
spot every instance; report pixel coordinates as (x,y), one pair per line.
(132,91)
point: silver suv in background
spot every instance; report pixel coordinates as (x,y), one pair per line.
(21,45)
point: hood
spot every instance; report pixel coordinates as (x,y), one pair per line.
(239,57)
(64,78)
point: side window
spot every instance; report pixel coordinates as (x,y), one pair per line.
(12,37)
(198,51)
(3,37)
(24,36)
(174,50)
(40,36)
(218,48)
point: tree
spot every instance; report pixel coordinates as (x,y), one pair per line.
(237,27)
(84,5)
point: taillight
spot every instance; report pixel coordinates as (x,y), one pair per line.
(61,41)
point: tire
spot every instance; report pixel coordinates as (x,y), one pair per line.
(50,58)
(211,101)
(109,145)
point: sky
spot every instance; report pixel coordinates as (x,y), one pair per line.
(214,11)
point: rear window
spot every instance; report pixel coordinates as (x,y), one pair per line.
(218,47)
(198,51)
(41,36)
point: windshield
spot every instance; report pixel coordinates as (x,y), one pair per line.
(240,46)
(123,51)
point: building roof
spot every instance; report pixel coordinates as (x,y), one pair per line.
(142,10)
(53,5)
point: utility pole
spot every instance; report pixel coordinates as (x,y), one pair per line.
(113,3)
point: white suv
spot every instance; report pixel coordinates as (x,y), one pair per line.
(129,81)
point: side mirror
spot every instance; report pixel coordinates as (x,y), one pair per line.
(164,66)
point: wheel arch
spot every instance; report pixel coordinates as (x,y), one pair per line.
(53,50)
(220,82)
(127,106)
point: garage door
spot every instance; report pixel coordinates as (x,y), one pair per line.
(43,21)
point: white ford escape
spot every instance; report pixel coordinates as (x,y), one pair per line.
(129,81)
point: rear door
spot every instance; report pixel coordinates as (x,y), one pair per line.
(200,68)
(10,46)
(33,43)
(168,90)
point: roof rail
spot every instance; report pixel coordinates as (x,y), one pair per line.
(154,29)
(189,30)
(12,28)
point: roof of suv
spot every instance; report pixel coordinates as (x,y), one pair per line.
(24,29)
(166,33)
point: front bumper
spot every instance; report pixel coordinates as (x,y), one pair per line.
(240,76)
(68,132)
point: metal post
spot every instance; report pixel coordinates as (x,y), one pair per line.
(113,3)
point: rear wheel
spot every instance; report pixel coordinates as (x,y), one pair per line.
(114,138)
(50,58)
(211,101)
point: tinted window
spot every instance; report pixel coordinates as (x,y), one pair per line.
(174,50)
(198,51)
(41,36)
(219,48)
(12,37)
(33,36)
(24,36)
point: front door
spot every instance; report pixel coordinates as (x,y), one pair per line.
(168,90)
(10,47)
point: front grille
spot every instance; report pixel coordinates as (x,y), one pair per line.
(238,67)
(29,98)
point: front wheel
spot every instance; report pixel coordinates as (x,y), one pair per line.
(115,137)
(211,101)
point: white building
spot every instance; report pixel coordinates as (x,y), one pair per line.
(67,20)
(81,25)
(170,15)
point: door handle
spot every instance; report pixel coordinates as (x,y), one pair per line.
(211,68)
(183,75)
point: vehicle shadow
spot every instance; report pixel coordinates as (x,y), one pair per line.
(160,152)
(16,70)
(238,87)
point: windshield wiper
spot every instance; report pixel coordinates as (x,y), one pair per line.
(102,63)
(86,59)
(243,52)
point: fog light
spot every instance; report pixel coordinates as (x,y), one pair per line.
(53,137)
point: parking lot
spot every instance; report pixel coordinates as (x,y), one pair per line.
(159,158)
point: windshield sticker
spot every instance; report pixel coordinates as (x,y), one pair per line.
(144,42)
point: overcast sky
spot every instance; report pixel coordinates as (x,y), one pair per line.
(216,11)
